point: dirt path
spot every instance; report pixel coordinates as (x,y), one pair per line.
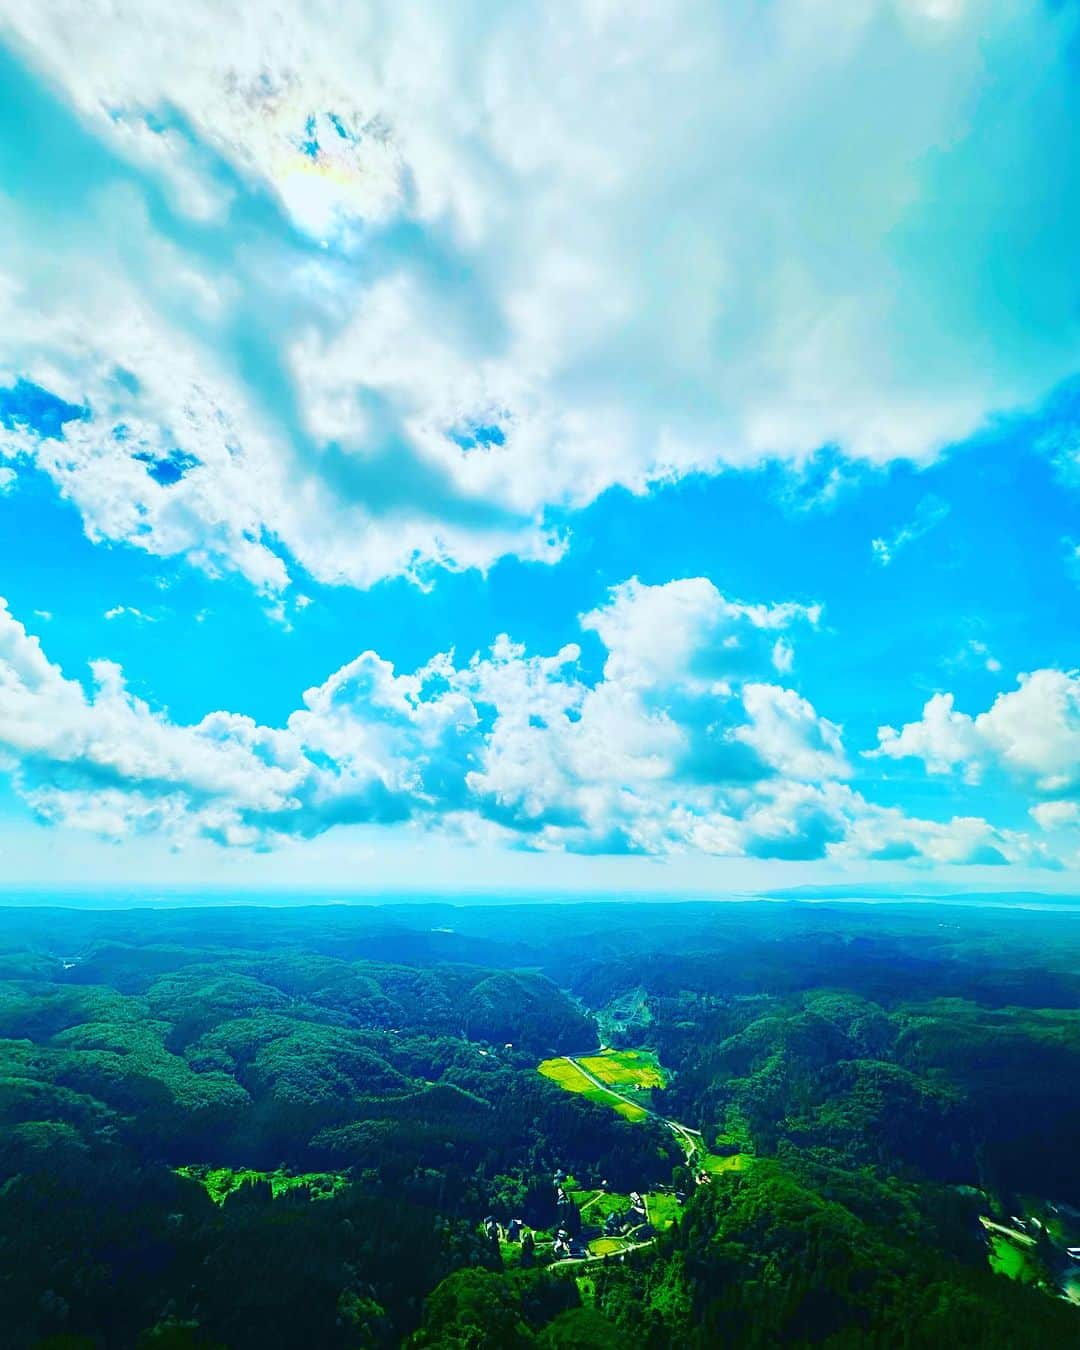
(591,1201)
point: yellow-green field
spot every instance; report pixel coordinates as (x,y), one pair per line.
(714,1164)
(570,1077)
(564,1073)
(220,1182)
(624,1069)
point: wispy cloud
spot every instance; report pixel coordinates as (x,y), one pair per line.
(929,513)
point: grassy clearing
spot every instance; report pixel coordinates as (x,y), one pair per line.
(220,1182)
(1014,1253)
(714,1164)
(570,1077)
(622,1069)
(663,1209)
(1006,1258)
(595,1206)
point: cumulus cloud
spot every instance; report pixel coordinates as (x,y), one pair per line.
(653,757)
(105,756)
(888,835)
(687,631)
(1056,815)
(1032,732)
(384,290)
(790,736)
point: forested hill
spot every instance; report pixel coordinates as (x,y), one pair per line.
(276,1128)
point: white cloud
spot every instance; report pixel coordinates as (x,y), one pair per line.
(1033,732)
(789,734)
(887,835)
(8,479)
(971,653)
(783,656)
(510,317)
(686,630)
(119,611)
(70,751)
(942,739)
(1056,815)
(981,653)
(507,748)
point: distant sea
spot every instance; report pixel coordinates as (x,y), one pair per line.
(158,897)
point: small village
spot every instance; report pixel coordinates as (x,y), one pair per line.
(591,1223)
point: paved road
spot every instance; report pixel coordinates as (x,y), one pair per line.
(610,1256)
(1013,1233)
(690,1139)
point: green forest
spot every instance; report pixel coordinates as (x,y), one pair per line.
(657,1125)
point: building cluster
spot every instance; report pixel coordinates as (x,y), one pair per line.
(632,1222)
(514,1231)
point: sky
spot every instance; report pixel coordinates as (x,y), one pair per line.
(578,447)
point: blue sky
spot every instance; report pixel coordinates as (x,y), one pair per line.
(579,451)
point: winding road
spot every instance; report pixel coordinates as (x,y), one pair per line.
(690,1139)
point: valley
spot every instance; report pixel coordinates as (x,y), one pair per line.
(423,1122)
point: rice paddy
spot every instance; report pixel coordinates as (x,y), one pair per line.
(570,1077)
(623,1069)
